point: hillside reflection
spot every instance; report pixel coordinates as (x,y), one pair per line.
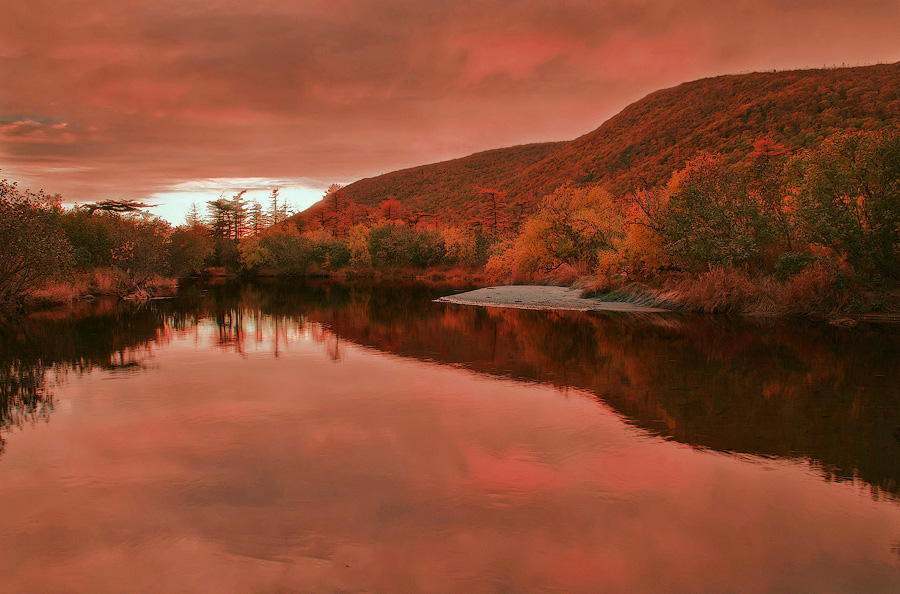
(831,397)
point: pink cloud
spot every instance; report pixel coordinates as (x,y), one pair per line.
(335,91)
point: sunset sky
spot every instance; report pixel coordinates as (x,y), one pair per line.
(178,101)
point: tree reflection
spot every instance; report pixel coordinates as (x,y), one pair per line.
(38,352)
(827,396)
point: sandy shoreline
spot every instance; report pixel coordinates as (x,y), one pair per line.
(543,297)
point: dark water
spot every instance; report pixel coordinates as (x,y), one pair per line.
(350,439)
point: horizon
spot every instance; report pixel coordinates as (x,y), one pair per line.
(178,104)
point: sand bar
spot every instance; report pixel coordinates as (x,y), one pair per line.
(543,297)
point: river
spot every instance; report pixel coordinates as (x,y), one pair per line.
(315,437)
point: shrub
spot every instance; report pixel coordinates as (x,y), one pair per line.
(790,263)
(399,245)
(133,243)
(719,290)
(31,250)
(820,289)
(278,250)
(188,250)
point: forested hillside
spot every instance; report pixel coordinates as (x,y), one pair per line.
(650,139)
(446,189)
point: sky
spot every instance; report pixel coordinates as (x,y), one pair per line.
(180,101)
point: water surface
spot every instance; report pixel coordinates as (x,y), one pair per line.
(322,438)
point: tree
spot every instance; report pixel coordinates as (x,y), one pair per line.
(31,251)
(257,219)
(848,198)
(228,218)
(494,206)
(390,209)
(192,218)
(118,206)
(277,212)
(335,210)
(572,226)
(711,216)
(188,249)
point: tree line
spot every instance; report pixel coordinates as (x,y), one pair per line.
(821,223)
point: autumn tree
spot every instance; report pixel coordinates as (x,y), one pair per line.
(32,250)
(848,198)
(572,226)
(390,209)
(767,183)
(711,217)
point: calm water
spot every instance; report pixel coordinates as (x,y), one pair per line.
(331,439)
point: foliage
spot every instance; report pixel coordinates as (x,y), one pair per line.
(31,250)
(358,245)
(848,198)
(279,250)
(711,216)
(573,226)
(396,245)
(642,146)
(461,247)
(792,263)
(188,250)
(132,243)
(328,251)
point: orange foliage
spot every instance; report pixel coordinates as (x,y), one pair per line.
(642,145)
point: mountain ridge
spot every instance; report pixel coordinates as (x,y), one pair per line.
(653,137)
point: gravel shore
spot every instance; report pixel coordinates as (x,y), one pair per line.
(543,297)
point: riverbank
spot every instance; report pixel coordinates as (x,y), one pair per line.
(644,300)
(544,297)
(99,283)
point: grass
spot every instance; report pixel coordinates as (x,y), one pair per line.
(105,282)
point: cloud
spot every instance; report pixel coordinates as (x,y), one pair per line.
(159,94)
(32,131)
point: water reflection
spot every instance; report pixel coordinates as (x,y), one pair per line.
(38,352)
(302,438)
(829,396)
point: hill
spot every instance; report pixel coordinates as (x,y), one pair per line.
(654,137)
(446,189)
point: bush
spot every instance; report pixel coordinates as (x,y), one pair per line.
(188,250)
(135,244)
(31,250)
(820,289)
(719,290)
(790,263)
(278,250)
(397,245)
